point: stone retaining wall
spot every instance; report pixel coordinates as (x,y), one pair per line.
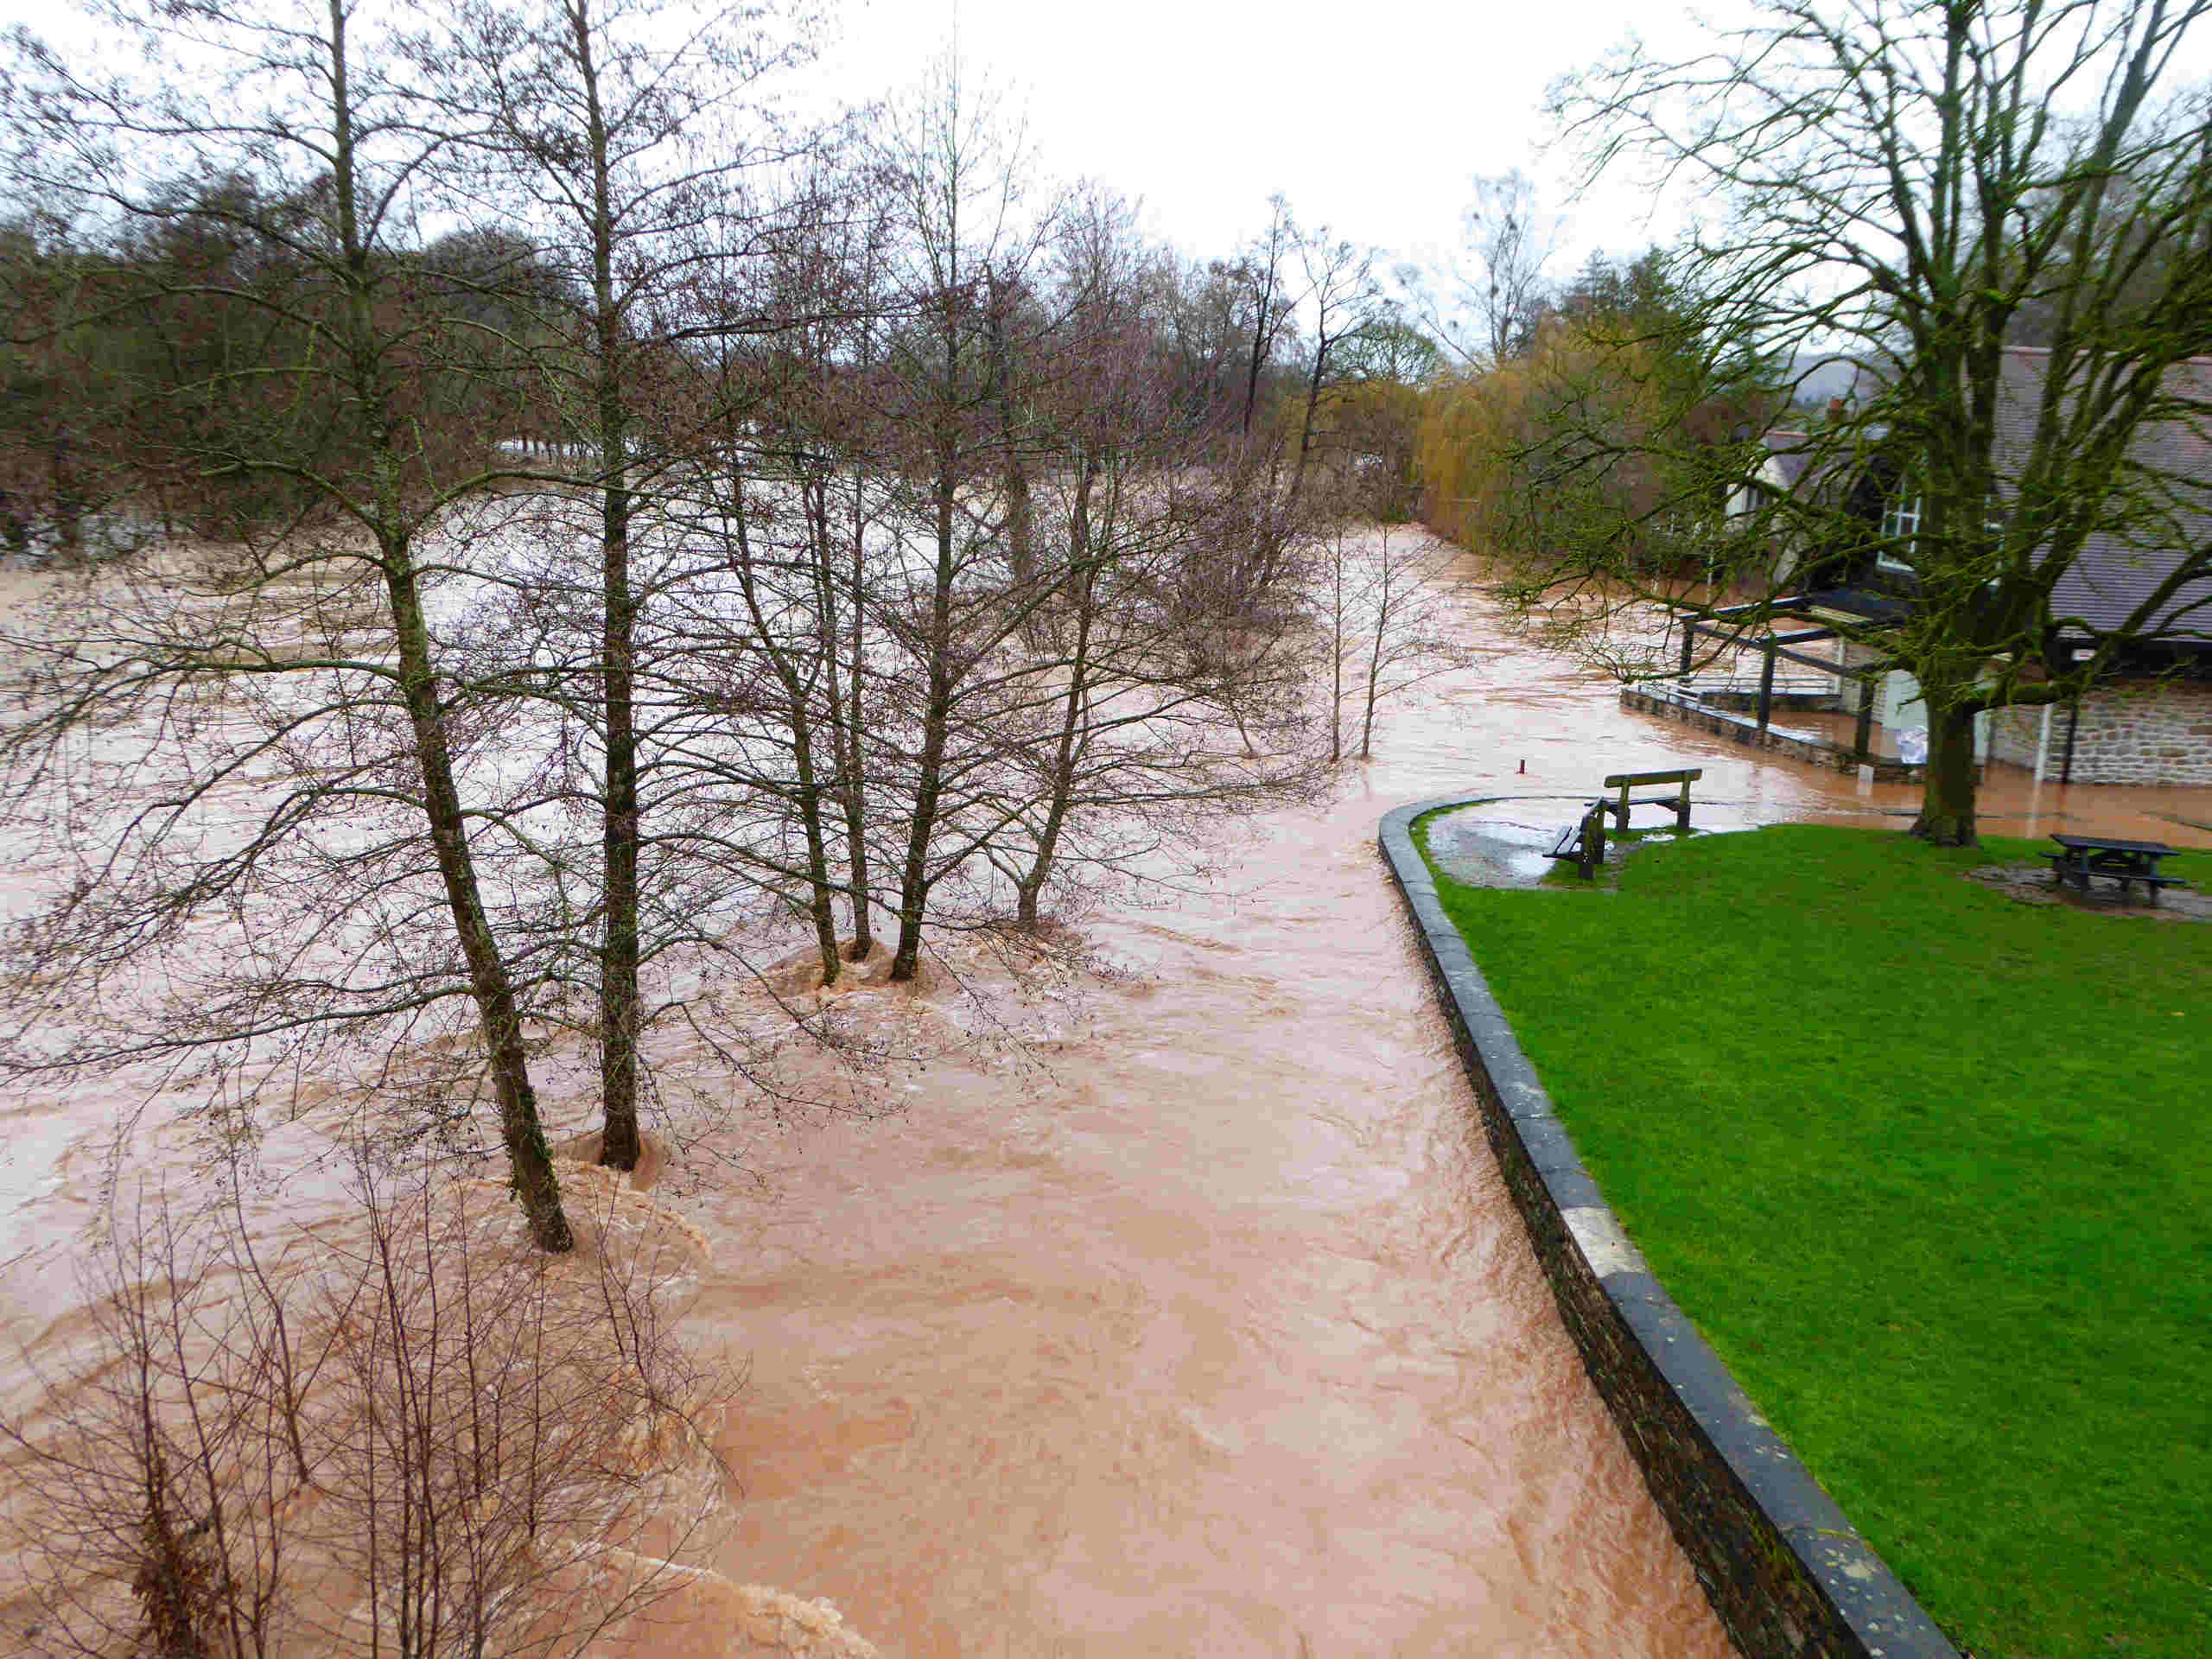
(1779,1562)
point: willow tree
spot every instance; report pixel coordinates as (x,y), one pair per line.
(1918,188)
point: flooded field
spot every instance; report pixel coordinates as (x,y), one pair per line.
(1205,1324)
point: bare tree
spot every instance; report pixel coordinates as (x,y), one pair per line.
(153,1480)
(1123,720)
(383,395)
(1263,268)
(399,1434)
(617,126)
(1487,315)
(1414,625)
(967,235)
(509,1445)
(1345,301)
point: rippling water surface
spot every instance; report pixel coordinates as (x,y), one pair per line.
(1210,1329)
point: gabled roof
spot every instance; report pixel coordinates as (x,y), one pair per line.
(2113,576)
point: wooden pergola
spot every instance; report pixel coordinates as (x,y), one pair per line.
(1778,647)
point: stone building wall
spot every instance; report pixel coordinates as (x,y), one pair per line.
(2141,732)
(2014,732)
(2132,732)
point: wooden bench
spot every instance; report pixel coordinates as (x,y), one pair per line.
(1584,841)
(1624,781)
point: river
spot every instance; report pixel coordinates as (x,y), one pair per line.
(1206,1325)
(1216,1332)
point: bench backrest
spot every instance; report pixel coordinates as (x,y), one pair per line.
(1637,779)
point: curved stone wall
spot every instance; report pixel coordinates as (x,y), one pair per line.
(1781,1565)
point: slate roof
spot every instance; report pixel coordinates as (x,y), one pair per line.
(2112,576)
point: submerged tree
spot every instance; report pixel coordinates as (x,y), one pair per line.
(397,1433)
(1911,188)
(308,658)
(616,131)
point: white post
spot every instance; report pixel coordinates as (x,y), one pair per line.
(2043,742)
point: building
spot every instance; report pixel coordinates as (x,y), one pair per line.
(2149,723)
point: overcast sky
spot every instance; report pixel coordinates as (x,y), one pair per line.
(1371,115)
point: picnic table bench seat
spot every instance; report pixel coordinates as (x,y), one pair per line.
(1584,841)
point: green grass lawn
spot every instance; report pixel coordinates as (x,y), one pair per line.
(1932,1171)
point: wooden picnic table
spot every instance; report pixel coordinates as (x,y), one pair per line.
(2079,857)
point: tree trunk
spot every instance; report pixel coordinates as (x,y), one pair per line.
(1072,707)
(619,1144)
(1336,654)
(1386,608)
(799,715)
(1021,527)
(530,1160)
(1306,432)
(852,762)
(937,712)
(830,643)
(936,722)
(1947,800)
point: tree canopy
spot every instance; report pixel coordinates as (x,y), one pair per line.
(1918,189)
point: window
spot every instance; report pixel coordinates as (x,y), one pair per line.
(1900,523)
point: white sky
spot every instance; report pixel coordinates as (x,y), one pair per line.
(1371,115)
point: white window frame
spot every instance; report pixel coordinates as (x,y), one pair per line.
(1900,522)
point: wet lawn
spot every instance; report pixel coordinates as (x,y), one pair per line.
(1932,1170)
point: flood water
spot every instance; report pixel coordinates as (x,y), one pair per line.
(1221,1336)
(1208,1328)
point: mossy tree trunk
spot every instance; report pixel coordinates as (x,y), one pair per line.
(1946,799)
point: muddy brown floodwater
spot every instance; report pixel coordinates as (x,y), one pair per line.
(1221,1336)
(1211,1329)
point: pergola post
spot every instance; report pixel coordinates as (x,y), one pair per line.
(1862,740)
